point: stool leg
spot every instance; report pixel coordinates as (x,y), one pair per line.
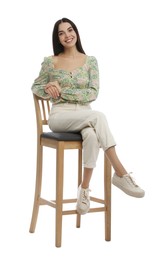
(38,183)
(78,218)
(107,197)
(59,191)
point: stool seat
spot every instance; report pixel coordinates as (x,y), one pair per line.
(64,136)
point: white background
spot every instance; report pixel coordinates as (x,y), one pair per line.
(127,38)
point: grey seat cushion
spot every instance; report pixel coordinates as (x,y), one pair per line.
(62,136)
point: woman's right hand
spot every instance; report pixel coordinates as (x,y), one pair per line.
(53,89)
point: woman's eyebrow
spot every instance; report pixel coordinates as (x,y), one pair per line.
(67,29)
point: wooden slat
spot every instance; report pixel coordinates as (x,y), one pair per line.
(92,210)
(97,200)
(67,145)
(65,201)
(47,202)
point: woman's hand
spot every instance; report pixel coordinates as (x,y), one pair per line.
(53,89)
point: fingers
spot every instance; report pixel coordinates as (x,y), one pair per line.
(53,89)
(56,84)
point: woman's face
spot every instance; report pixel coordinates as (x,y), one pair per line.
(67,35)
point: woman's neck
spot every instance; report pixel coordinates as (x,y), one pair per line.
(70,53)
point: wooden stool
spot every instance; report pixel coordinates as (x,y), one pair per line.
(61,142)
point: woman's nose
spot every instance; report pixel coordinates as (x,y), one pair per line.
(67,34)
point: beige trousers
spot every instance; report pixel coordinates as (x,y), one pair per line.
(92,125)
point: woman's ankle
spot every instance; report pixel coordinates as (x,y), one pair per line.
(120,174)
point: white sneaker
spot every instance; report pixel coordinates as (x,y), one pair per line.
(128,185)
(83,200)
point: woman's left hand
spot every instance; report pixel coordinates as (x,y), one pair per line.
(53,89)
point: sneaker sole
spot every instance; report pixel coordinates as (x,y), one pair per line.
(81,212)
(130,193)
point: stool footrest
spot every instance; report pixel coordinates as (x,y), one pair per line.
(52,203)
(70,212)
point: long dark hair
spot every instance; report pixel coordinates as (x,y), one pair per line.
(57,46)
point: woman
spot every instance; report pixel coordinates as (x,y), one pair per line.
(70,79)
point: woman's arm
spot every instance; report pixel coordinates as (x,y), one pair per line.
(41,81)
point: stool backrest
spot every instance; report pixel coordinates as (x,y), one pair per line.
(42,109)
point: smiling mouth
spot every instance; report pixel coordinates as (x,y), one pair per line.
(68,41)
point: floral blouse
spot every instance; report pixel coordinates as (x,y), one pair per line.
(79,86)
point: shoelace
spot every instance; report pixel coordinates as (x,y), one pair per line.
(85,196)
(131,180)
